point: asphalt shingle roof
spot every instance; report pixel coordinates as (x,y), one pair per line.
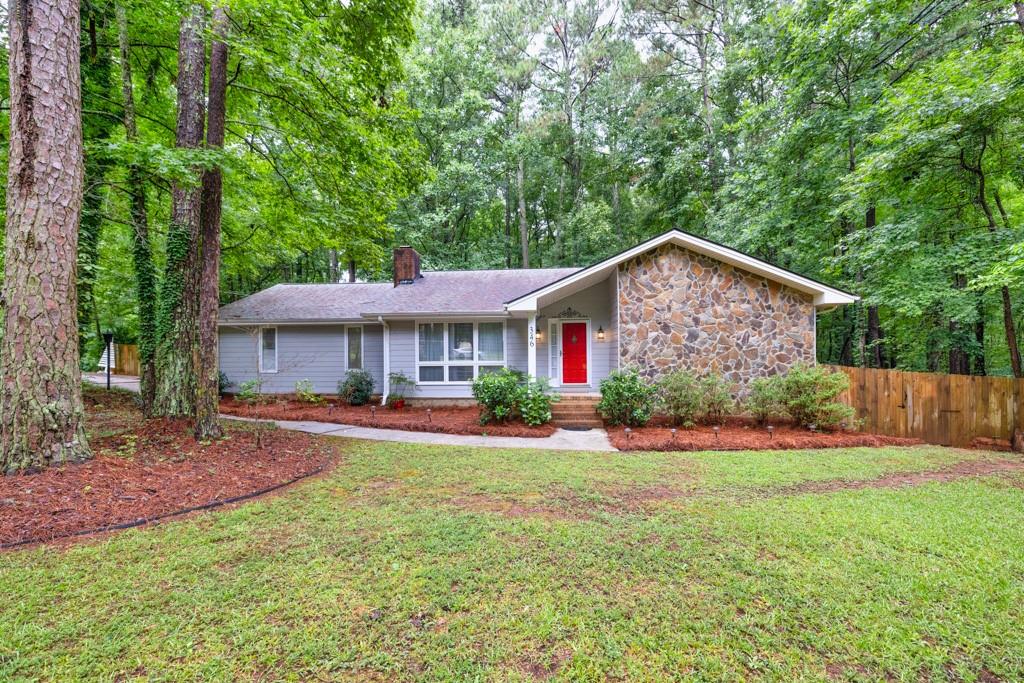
(437,292)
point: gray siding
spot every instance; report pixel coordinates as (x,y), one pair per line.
(314,352)
(596,303)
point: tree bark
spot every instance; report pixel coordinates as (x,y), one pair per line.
(41,412)
(524,233)
(142,253)
(351,270)
(876,347)
(177,322)
(208,386)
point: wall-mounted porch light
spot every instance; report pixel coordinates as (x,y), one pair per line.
(600,334)
(540,335)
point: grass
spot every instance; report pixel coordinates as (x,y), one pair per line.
(416,562)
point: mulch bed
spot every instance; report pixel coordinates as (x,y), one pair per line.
(738,434)
(443,420)
(151,470)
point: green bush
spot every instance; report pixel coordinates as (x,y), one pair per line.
(626,399)
(765,398)
(356,388)
(535,402)
(250,390)
(808,395)
(498,394)
(222,382)
(716,398)
(680,397)
(304,392)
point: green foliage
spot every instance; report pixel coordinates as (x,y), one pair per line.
(716,397)
(356,388)
(535,402)
(680,396)
(627,399)
(250,391)
(398,385)
(498,394)
(808,394)
(685,397)
(222,382)
(305,394)
(764,400)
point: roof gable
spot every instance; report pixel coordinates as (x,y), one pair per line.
(823,294)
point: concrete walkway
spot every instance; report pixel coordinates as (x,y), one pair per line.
(561,440)
(119,381)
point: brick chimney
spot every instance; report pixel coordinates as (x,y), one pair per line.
(407,266)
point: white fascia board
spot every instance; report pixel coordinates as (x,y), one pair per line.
(823,294)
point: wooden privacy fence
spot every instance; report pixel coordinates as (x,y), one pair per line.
(126,359)
(951,410)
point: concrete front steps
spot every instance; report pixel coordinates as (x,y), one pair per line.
(576,411)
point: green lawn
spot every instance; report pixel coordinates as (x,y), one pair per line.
(412,562)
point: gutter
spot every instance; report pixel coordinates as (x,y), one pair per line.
(386,381)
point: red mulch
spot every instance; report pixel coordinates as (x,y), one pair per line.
(738,434)
(152,469)
(444,420)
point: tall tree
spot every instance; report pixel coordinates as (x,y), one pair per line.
(207,386)
(41,413)
(176,352)
(142,254)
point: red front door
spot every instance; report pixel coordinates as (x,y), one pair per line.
(574,353)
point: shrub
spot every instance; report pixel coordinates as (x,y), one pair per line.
(535,402)
(765,398)
(251,390)
(356,388)
(222,383)
(304,392)
(398,384)
(498,394)
(680,397)
(808,394)
(626,399)
(716,398)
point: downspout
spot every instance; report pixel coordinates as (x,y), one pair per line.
(387,361)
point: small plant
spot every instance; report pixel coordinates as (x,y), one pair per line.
(679,394)
(356,388)
(626,399)
(305,393)
(716,398)
(498,394)
(535,402)
(765,398)
(251,390)
(808,394)
(222,383)
(398,385)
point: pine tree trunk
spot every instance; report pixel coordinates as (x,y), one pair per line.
(524,234)
(142,253)
(207,390)
(41,413)
(177,320)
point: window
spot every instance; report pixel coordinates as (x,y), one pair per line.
(458,352)
(355,348)
(268,349)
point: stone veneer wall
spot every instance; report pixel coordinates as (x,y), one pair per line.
(679,309)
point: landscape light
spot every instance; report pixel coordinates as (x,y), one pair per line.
(629,433)
(716,428)
(673,431)
(771,432)
(428,415)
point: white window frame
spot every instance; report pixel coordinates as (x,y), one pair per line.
(277,351)
(475,363)
(362,346)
